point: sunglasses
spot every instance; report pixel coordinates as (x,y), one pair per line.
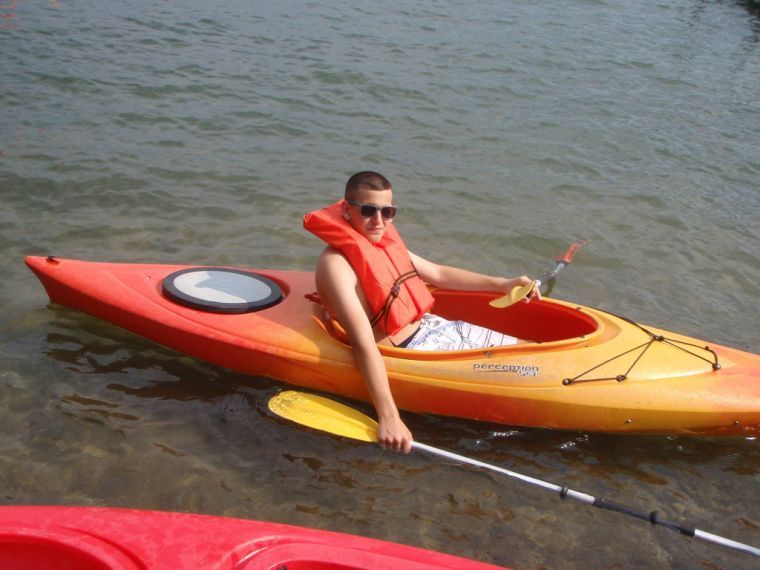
(369,210)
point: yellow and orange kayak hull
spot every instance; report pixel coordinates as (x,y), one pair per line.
(587,370)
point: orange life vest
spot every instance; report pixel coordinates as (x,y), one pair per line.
(396,294)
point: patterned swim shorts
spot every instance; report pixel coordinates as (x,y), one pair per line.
(437,333)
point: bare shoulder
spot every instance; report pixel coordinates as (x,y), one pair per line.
(334,268)
(337,285)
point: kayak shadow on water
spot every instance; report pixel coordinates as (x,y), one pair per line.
(650,459)
(89,346)
(488,436)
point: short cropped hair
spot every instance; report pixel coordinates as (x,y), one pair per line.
(366,179)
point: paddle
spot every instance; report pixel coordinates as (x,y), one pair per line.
(516,294)
(333,417)
(519,293)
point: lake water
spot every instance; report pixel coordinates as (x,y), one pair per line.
(199,132)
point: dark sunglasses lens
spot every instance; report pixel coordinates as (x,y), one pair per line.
(369,210)
(388,212)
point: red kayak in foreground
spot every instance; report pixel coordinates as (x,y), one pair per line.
(84,538)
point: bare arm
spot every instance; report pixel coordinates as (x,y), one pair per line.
(448,277)
(337,283)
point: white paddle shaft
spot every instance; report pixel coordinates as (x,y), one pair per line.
(590,500)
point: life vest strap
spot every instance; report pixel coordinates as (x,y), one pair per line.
(392,296)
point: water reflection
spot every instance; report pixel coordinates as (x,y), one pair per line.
(751,7)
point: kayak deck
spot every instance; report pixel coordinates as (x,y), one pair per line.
(586,369)
(87,538)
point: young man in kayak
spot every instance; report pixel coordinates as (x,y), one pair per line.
(376,289)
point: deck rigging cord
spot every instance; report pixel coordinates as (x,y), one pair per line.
(653,338)
(548,280)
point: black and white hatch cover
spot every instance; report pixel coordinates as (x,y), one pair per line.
(221,290)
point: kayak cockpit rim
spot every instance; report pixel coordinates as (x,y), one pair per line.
(546,324)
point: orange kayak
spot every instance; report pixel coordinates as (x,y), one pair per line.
(86,538)
(587,369)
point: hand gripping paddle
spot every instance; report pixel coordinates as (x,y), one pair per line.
(519,293)
(516,294)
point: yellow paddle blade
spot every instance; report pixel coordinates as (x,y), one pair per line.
(322,413)
(513,296)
